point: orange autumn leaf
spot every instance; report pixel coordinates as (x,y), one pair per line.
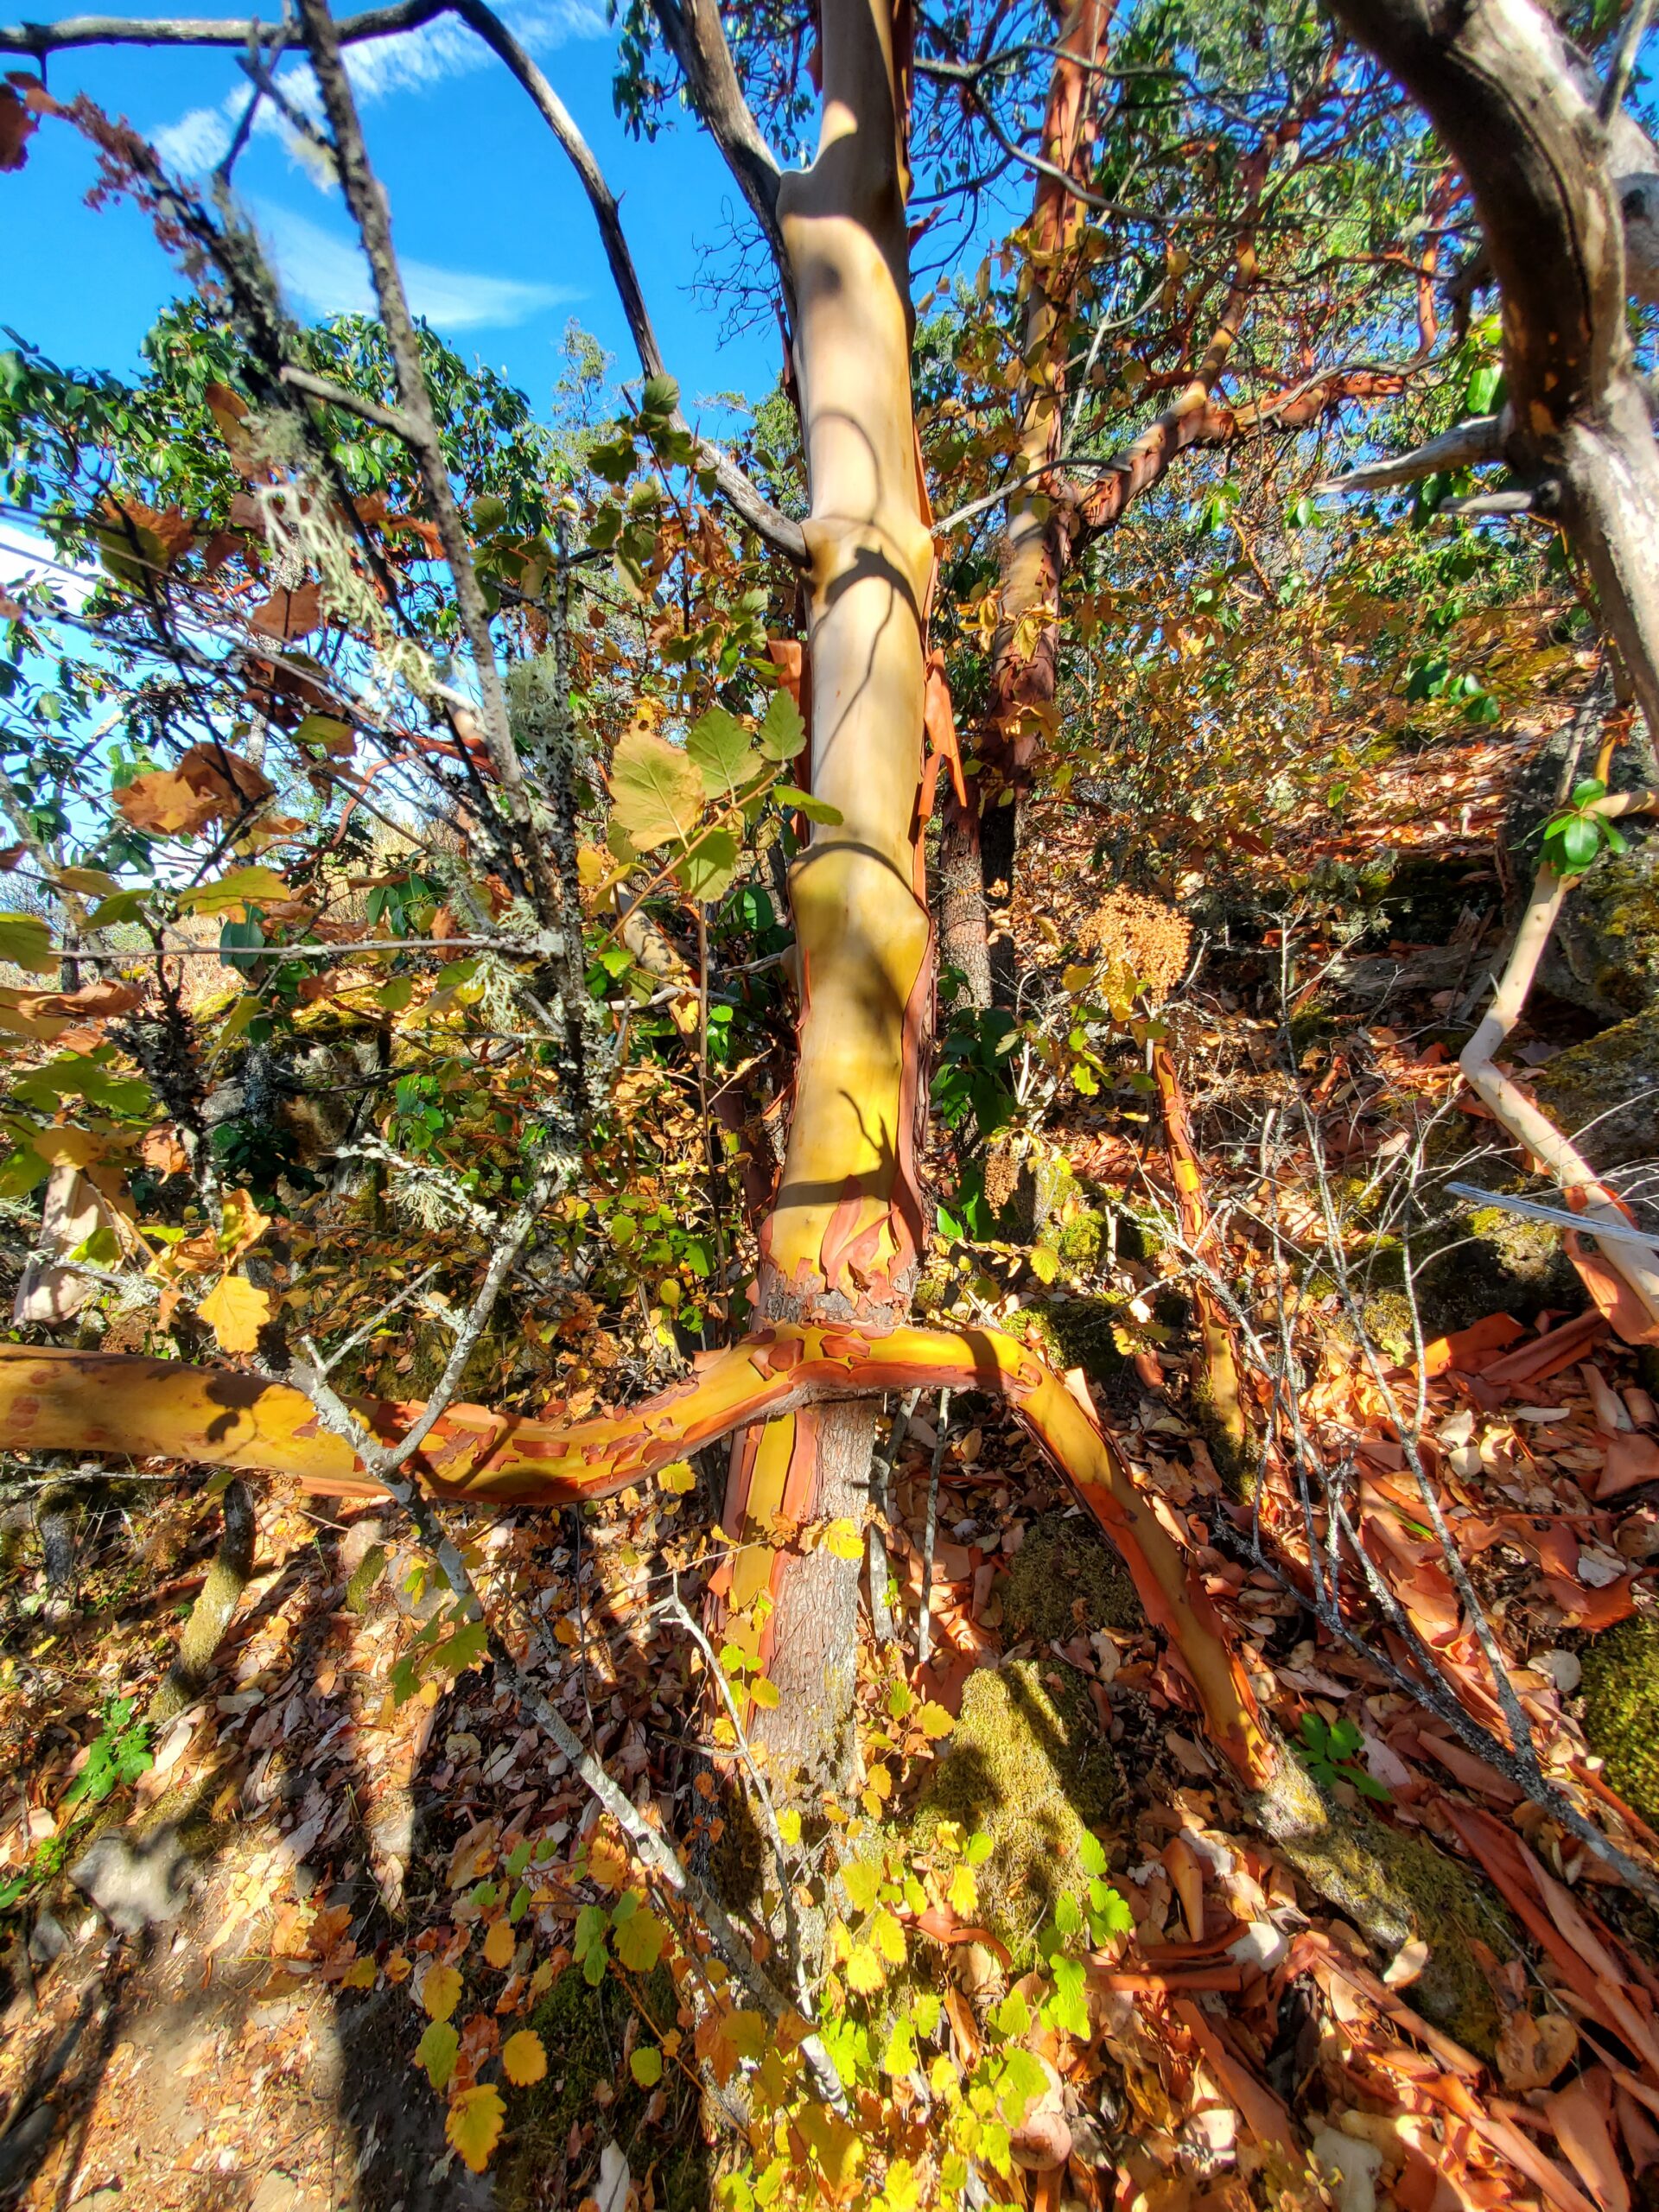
(209,784)
(499,1945)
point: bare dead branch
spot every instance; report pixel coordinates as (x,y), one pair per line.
(1466,445)
(775,528)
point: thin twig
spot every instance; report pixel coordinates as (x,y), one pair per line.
(925,1623)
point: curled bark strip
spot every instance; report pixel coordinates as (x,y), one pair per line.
(53,1400)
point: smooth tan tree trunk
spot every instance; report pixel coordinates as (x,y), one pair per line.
(844,1239)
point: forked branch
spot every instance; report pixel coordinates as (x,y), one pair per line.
(52,1399)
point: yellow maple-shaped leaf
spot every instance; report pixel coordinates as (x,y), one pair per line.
(888,1932)
(523,2060)
(677,1477)
(441,1991)
(360,1974)
(473,2127)
(499,1944)
(865,1972)
(935,1721)
(236,1310)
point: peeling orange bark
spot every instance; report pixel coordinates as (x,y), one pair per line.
(137,1408)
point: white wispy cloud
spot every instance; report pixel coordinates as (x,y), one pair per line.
(412,61)
(328,276)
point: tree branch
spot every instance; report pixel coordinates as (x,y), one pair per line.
(42,39)
(1466,445)
(367,202)
(770,525)
(336,395)
(691,30)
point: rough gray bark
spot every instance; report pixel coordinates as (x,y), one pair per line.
(216,1602)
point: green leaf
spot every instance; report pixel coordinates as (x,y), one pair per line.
(639,1940)
(437,2050)
(815,810)
(1068,2008)
(463,1649)
(720,745)
(120,906)
(660,397)
(241,887)
(656,790)
(1581,841)
(645,2064)
(1588,789)
(26,941)
(1092,1853)
(707,870)
(782,732)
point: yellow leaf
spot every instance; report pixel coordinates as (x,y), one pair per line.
(842,1538)
(236,1310)
(789,1825)
(889,1937)
(441,1991)
(499,1944)
(865,1972)
(1077,979)
(763,1692)
(474,2128)
(963,1893)
(360,1974)
(606,1864)
(523,2060)
(678,1476)
(935,1721)
(656,791)
(725,1734)
(881,1781)
(647,2065)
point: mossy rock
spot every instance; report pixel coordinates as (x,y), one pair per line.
(582,2029)
(1071,1332)
(1393,1884)
(1027,1763)
(1608,1088)
(1496,1262)
(1605,953)
(1064,1578)
(1621,1709)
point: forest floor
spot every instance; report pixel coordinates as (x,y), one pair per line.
(1446,1995)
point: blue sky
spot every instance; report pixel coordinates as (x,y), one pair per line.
(498,245)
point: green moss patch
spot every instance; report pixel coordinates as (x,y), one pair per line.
(1027,1763)
(1077,1332)
(1066,1577)
(1621,1709)
(1393,1884)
